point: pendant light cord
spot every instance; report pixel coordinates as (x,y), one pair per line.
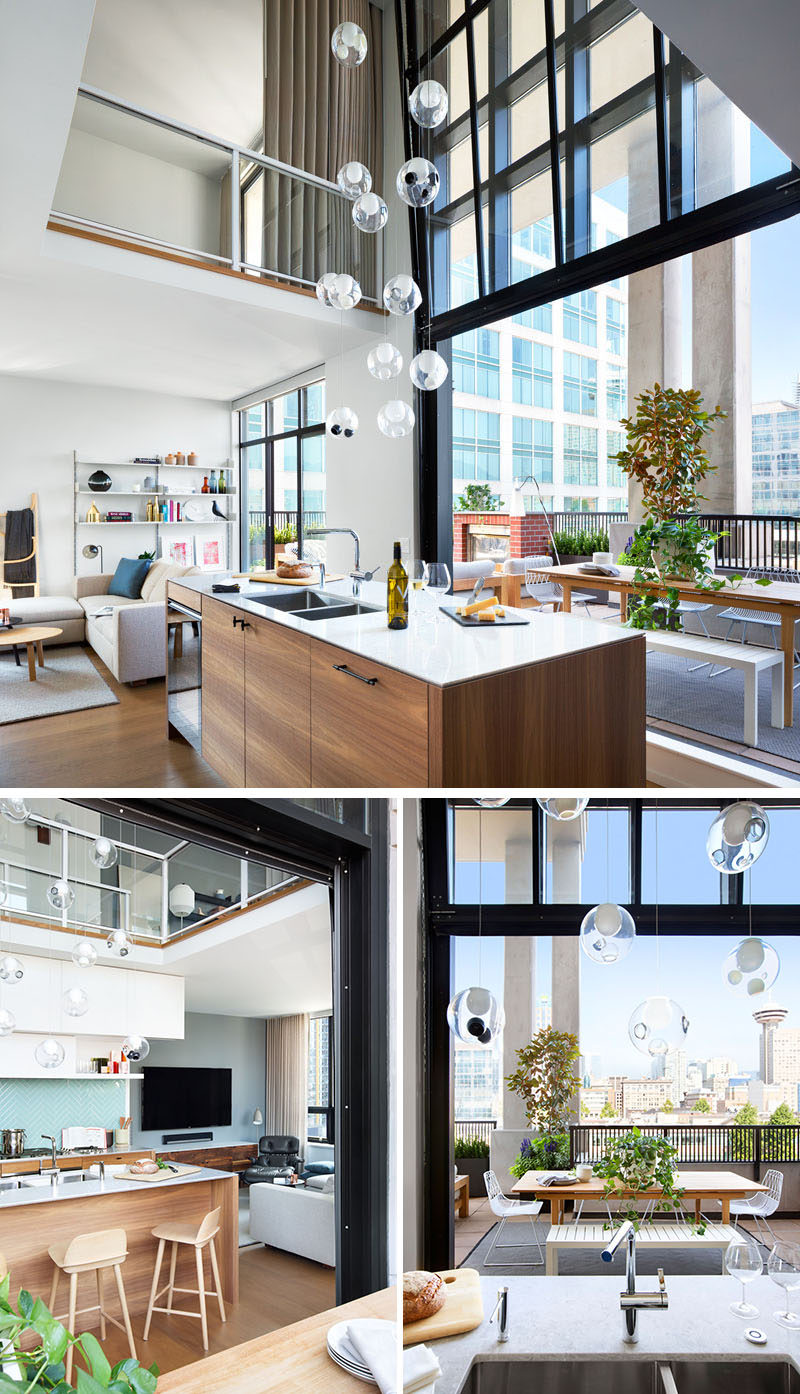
(608,851)
(480,895)
(658,945)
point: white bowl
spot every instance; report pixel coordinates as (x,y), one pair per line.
(602,558)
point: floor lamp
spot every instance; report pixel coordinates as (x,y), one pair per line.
(518,508)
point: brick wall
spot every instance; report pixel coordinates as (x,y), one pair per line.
(528,535)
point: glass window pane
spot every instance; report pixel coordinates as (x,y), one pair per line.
(478,1074)
(621,59)
(254,422)
(505,837)
(253,489)
(284,413)
(313,404)
(625,177)
(312,456)
(680,834)
(602,872)
(285,493)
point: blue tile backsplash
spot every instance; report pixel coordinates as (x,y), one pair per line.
(48,1105)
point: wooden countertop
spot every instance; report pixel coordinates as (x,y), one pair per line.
(290,1359)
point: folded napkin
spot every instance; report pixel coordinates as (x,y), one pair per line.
(556,1178)
(377,1342)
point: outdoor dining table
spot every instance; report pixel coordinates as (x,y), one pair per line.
(780,597)
(698,1186)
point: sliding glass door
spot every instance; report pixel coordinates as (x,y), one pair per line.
(282,456)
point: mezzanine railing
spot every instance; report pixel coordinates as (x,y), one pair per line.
(698,1142)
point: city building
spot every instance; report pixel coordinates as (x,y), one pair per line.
(776,456)
(769,1019)
(478,1084)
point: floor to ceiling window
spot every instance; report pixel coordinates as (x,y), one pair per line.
(282,457)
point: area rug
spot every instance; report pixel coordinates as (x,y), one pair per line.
(714,705)
(585,1263)
(69,682)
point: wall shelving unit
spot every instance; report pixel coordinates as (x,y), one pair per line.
(81,470)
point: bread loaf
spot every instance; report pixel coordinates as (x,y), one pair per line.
(423,1295)
(295,570)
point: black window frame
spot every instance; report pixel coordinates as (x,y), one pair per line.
(326,1111)
(269,440)
(680,228)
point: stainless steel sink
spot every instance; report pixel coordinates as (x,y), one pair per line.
(66,1178)
(340,612)
(299,599)
(631,1376)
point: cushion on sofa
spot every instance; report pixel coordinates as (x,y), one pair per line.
(46,609)
(325,1184)
(92,603)
(318,1169)
(154,586)
(129,577)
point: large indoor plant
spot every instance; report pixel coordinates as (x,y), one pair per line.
(632,1161)
(666,454)
(546,1081)
(33,1349)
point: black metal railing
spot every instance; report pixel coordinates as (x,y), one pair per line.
(284,518)
(475,1128)
(755,540)
(585,522)
(698,1142)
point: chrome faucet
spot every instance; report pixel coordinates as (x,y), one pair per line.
(501,1312)
(356,575)
(47,1138)
(630,1300)
(101,1166)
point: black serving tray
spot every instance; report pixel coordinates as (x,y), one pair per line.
(472,621)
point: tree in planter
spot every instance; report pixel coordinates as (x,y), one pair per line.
(666,455)
(478,498)
(546,1082)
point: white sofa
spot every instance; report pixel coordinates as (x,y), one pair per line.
(296,1219)
(63,612)
(131,640)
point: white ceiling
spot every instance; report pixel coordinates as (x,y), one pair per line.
(751,52)
(197,61)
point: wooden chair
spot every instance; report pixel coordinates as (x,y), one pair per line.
(91,1253)
(199,1237)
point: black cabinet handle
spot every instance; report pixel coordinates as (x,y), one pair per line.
(244,623)
(343,668)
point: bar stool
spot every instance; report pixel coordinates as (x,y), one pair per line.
(91,1253)
(200,1237)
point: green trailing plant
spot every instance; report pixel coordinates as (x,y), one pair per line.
(471,1147)
(35,1345)
(580,544)
(478,498)
(634,1162)
(541,1154)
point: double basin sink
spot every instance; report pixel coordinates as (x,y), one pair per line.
(312,605)
(631,1376)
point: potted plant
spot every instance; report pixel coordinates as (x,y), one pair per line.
(633,1161)
(546,1081)
(34,1344)
(573,547)
(478,498)
(665,453)
(472,1159)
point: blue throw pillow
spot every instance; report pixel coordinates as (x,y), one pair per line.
(128,578)
(318,1169)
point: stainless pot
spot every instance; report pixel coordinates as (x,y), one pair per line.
(13,1142)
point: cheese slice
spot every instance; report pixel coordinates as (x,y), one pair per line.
(487,616)
(480,605)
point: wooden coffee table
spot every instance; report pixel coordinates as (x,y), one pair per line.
(32,637)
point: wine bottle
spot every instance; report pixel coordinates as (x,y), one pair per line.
(397,592)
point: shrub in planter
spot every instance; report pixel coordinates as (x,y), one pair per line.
(472,1159)
(549,1152)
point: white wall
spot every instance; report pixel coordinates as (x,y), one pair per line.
(110,183)
(42,422)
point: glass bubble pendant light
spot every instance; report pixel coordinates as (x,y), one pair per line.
(60,895)
(474,1015)
(428,370)
(349,44)
(344,292)
(75,1001)
(370,213)
(354,179)
(752,966)
(103,853)
(49,1053)
(402,295)
(428,104)
(324,286)
(396,419)
(135,1047)
(11,970)
(84,953)
(563,810)
(608,930)
(737,837)
(7,1021)
(119,943)
(417,182)
(15,810)
(492,802)
(342,421)
(384,361)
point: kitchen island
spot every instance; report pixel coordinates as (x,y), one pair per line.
(343,701)
(39,1214)
(291,1359)
(573,1328)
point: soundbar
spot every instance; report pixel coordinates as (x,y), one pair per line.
(187,1137)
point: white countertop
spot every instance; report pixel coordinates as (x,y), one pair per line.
(437,650)
(41,1194)
(570,1318)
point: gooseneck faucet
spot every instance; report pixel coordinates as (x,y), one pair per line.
(46,1137)
(356,575)
(630,1300)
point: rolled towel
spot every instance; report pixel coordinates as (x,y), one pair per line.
(377,1344)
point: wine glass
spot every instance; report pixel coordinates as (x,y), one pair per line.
(743,1261)
(438,580)
(783,1266)
(418,579)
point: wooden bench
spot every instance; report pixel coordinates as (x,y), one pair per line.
(655,1235)
(746,657)
(462,1197)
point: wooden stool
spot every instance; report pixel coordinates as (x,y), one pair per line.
(87,1253)
(200,1237)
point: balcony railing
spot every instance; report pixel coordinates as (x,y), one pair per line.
(745,540)
(475,1128)
(584,522)
(698,1142)
(284,518)
(205,198)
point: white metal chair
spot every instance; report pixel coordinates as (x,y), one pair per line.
(768,619)
(760,1206)
(537,588)
(506,1209)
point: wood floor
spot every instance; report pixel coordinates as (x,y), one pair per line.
(275,1289)
(115,747)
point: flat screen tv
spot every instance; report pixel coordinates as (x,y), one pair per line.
(186,1097)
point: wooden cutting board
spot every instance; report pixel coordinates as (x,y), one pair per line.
(273,579)
(462,1311)
(159,1175)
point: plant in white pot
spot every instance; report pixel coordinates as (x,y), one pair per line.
(634,1162)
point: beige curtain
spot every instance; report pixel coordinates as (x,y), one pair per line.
(287,1077)
(318,114)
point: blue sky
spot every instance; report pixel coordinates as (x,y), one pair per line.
(690,966)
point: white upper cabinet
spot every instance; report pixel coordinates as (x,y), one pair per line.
(120,1000)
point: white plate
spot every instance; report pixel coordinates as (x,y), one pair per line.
(342,1350)
(197,510)
(350,1369)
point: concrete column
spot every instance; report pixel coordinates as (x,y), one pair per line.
(566,843)
(721,350)
(519,976)
(655,343)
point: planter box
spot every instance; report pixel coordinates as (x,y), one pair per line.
(473,1167)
